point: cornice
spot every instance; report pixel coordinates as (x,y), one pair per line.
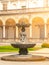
(24,11)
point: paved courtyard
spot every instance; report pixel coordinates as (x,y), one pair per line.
(24,63)
(41,52)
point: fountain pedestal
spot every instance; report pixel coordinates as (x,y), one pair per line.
(23,51)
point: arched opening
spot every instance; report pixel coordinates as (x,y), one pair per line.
(27,29)
(1,29)
(10,29)
(38,28)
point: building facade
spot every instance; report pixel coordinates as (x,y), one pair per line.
(38,17)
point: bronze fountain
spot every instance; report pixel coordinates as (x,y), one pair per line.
(23,44)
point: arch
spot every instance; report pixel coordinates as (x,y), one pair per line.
(38,28)
(27,30)
(10,29)
(47,28)
(23,20)
(38,20)
(1,29)
(10,22)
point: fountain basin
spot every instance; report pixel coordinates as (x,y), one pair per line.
(20,45)
(23,48)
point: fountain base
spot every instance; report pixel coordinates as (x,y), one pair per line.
(23,58)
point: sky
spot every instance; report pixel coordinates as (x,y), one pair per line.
(27,3)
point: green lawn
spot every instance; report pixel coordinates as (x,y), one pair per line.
(8,49)
(11,49)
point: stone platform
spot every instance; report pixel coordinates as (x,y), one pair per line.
(23,58)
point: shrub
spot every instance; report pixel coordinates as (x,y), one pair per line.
(45,45)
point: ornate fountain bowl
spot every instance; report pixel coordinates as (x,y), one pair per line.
(23,47)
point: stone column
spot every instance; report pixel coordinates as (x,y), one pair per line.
(30,21)
(31,31)
(30,28)
(4,31)
(45,31)
(16,32)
